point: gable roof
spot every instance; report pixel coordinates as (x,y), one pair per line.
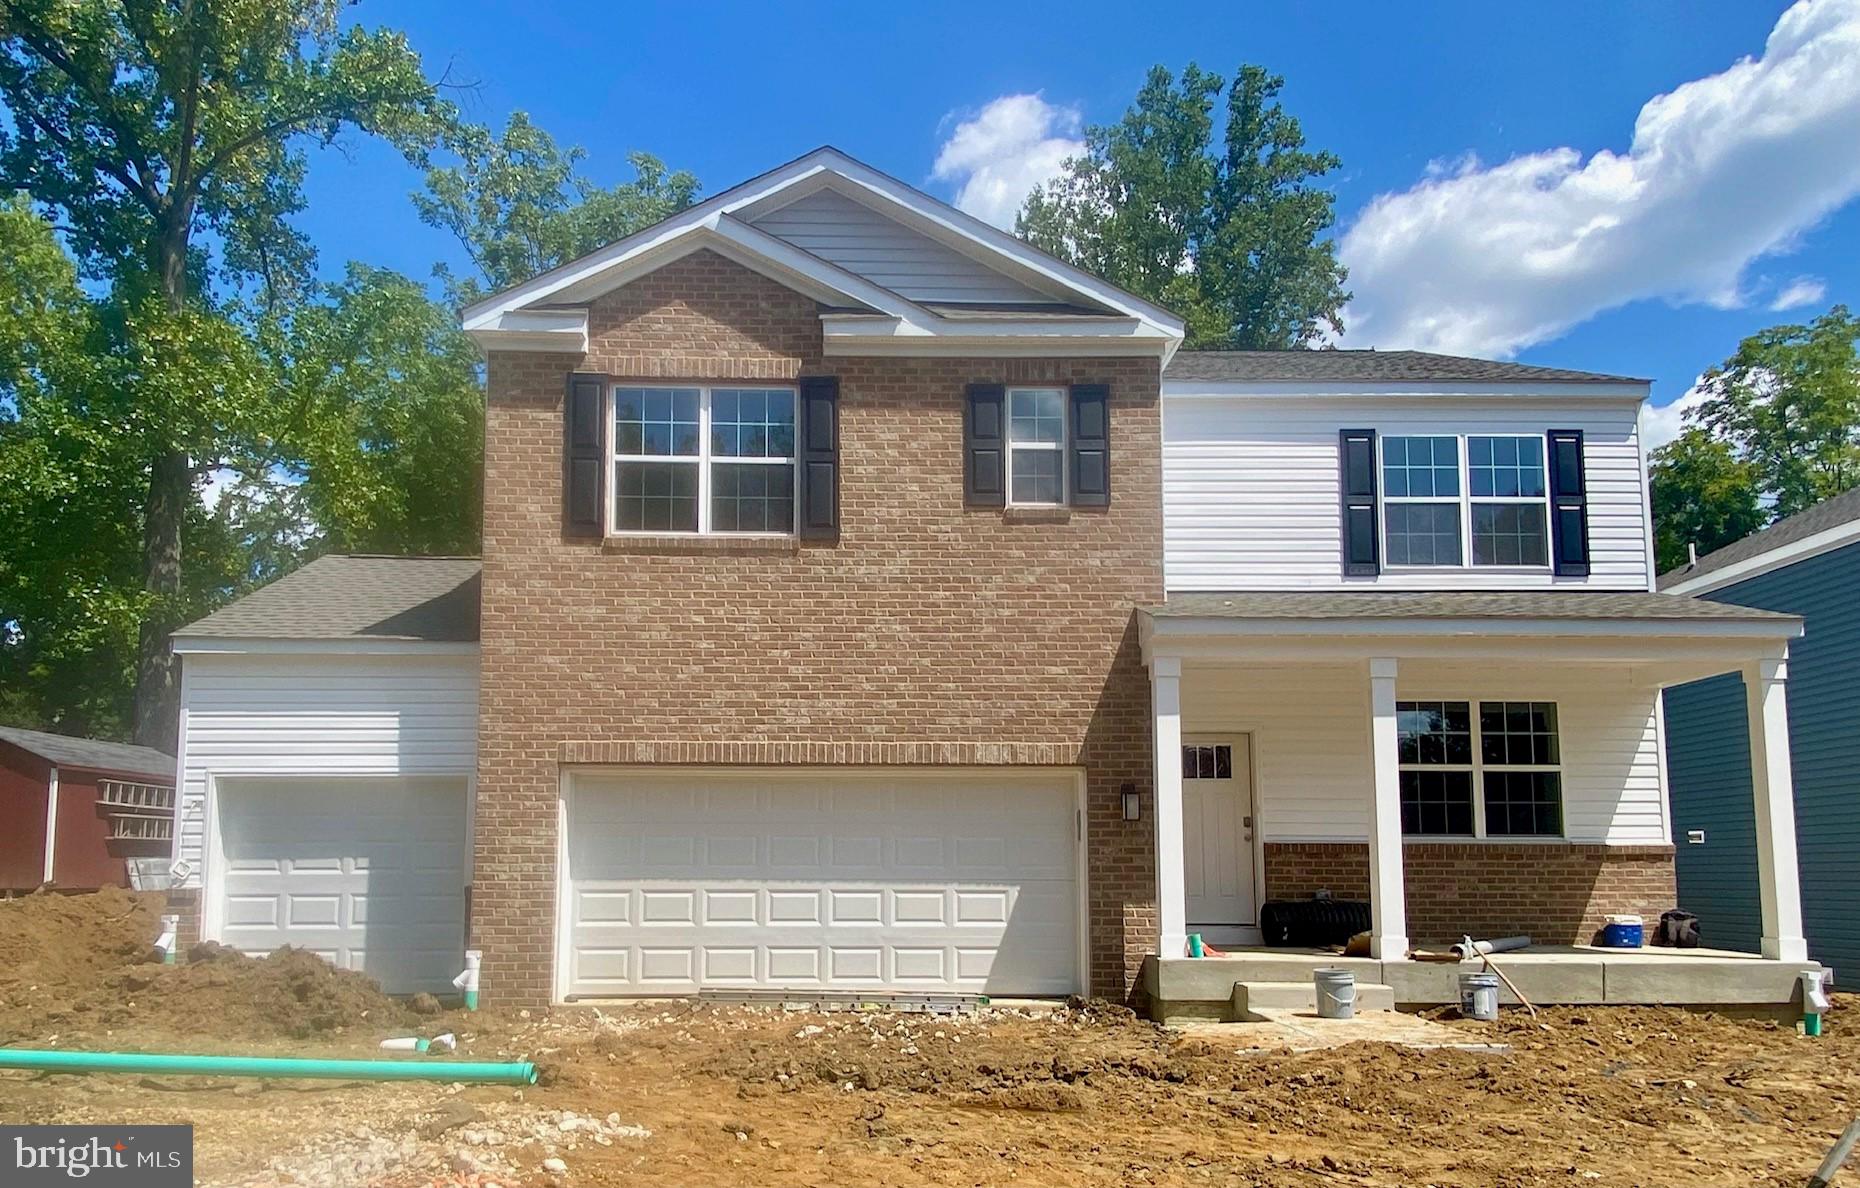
(354,597)
(63,750)
(1367,366)
(864,313)
(1829,524)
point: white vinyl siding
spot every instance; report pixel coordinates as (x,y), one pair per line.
(867,244)
(1310,734)
(1251,488)
(285,715)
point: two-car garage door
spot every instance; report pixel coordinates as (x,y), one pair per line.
(933,882)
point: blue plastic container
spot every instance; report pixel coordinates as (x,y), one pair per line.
(1623,932)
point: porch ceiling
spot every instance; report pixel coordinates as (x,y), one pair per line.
(1688,637)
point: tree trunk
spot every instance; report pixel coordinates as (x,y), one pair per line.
(158,678)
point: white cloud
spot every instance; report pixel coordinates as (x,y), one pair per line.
(1723,170)
(1803,290)
(1661,425)
(999,154)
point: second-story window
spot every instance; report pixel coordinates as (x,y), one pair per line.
(1036,447)
(1442,491)
(704,460)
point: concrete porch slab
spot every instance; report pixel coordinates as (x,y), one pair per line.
(1251,999)
(1189,988)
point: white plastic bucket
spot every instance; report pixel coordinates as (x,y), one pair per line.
(1336,993)
(1479,996)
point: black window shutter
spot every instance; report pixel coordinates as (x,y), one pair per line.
(984,446)
(584,469)
(1090,447)
(1356,451)
(1569,504)
(820,457)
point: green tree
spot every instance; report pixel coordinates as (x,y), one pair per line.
(140,123)
(519,205)
(1234,241)
(1704,495)
(382,450)
(1788,403)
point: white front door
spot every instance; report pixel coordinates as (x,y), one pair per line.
(680,880)
(1217,831)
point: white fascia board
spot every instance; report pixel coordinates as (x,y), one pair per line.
(561,330)
(1825,541)
(814,170)
(1211,627)
(859,346)
(1628,394)
(201,645)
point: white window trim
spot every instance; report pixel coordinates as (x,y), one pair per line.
(703,460)
(1060,447)
(1478,767)
(1465,499)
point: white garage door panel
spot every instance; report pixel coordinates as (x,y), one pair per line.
(368,874)
(946,883)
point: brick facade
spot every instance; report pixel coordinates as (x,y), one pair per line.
(1555,893)
(926,634)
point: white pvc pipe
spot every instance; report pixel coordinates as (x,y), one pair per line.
(467,980)
(51,823)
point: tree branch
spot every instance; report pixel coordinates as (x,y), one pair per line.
(47,47)
(287,125)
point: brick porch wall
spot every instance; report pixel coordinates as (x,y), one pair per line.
(927,634)
(1557,894)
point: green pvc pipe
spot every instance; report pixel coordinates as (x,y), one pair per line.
(171,1064)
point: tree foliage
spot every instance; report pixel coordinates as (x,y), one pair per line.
(139,124)
(1704,496)
(519,205)
(1777,433)
(1233,240)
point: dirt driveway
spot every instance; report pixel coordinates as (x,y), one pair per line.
(694,1095)
(757,1097)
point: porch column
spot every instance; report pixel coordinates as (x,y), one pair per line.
(1388,901)
(1171,879)
(1779,887)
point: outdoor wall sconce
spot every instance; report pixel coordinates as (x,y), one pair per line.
(1133,803)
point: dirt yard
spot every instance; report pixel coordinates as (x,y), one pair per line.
(679,1095)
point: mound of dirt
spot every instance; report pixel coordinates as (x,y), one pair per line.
(76,966)
(290,994)
(66,940)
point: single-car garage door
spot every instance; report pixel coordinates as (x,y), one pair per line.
(684,881)
(367,873)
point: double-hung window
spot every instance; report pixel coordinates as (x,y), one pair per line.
(1493,773)
(704,460)
(1036,447)
(1437,494)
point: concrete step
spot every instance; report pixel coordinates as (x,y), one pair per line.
(1252,997)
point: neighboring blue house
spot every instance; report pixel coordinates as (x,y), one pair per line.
(1808,565)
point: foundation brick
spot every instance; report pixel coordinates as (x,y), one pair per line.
(929,633)
(1555,893)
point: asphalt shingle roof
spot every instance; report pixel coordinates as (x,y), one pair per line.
(62,750)
(1519,604)
(357,597)
(1829,513)
(1359,367)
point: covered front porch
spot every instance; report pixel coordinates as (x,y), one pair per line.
(1483,764)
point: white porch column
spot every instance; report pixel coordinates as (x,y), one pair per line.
(1388,900)
(1171,877)
(1779,887)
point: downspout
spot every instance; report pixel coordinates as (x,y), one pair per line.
(51,823)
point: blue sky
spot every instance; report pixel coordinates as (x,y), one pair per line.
(1474,209)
